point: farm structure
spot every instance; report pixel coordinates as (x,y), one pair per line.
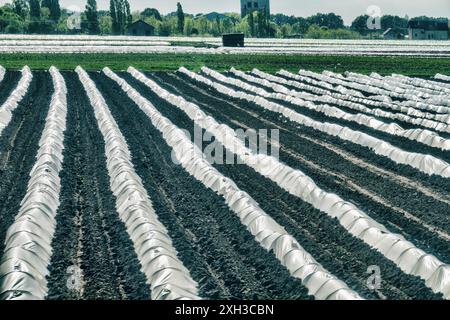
(428,30)
(140,28)
(106,194)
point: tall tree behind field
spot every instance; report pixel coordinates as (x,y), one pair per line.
(115,28)
(20,7)
(251,23)
(35,9)
(180,16)
(329,20)
(128,15)
(120,15)
(151,12)
(92,17)
(53,7)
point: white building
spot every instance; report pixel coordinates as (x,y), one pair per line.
(248,6)
(428,30)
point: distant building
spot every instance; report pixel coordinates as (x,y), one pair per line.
(428,29)
(395,34)
(213,16)
(140,28)
(248,6)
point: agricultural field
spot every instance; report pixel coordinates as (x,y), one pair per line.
(199,45)
(106,192)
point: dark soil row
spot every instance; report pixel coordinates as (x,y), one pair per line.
(18,148)
(220,253)
(394,192)
(339,252)
(89,233)
(8,84)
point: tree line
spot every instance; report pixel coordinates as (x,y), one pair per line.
(47,17)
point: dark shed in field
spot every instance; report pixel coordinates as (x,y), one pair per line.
(233,40)
(140,28)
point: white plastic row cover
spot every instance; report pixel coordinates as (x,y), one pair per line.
(395,84)
(445,87)
(358,104)
(24,264)
(168,278)
(426,137)
(391,84)
(266,231)
(2,73)
(422,83)
(375,79)
(14,99)
(331,77)
(425,163)
(407,106)
(414,93)
(394,247)
(443,77)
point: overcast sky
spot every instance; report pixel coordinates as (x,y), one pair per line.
(348,9)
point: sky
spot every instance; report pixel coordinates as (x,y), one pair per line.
(348,9)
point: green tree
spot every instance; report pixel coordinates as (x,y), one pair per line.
(35,9)
(128,17)
(329,20)
(20,7)
(105,24)
(91,13)
(10,21)
(165,28)
(115,28)
(119,11)
(389,21)
(53,7)
(180,18)
(218,25)
(251,24)
(301,26)
(360,24)
(151,12)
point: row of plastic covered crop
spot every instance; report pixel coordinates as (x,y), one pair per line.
(425,163)
(167,276)
(393,246)
(11,103)
(284,94)
(404,112)
(24,265)
(273,237)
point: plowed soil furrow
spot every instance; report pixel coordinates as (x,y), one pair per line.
(8,84)
(220,253)
(370,191)
(322,236)
(89,233)
(18,148)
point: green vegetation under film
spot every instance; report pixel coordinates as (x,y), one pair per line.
(411,66)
